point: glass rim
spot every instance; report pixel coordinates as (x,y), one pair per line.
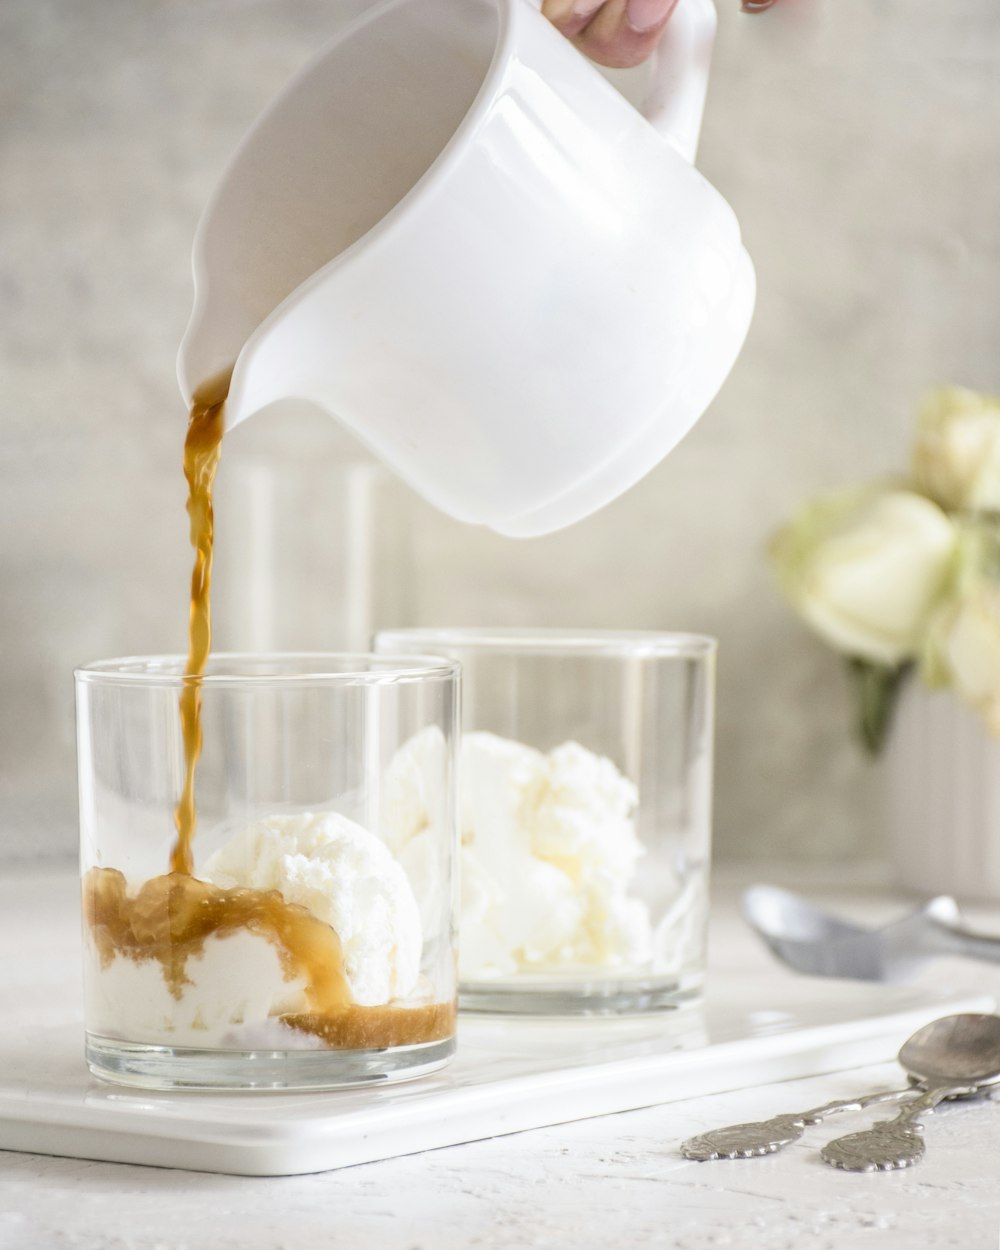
(636,643)
(166,670)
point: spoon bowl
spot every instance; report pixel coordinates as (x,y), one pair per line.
(812,941)
(960,1049)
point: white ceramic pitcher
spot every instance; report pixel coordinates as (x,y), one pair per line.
(455,236)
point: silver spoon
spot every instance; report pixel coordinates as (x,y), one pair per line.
(953,1056)
(925,1056)
(812,941)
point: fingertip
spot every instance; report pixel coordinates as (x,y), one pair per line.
(648,17)
(614,37)
(570,17)
(622,50)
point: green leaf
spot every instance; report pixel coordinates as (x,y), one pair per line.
(875,688)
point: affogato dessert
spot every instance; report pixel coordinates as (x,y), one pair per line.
(301,932)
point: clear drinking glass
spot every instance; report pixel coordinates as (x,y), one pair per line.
(585,815)
(313,943)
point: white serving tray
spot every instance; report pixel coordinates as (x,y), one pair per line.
(509,1075)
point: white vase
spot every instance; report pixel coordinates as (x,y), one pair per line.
(943,796)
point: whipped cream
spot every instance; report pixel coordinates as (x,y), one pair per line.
(549,851)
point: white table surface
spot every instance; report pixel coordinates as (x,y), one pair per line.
(608,1182)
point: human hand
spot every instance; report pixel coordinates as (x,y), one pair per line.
(612,32)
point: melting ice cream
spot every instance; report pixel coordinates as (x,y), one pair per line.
(302,930)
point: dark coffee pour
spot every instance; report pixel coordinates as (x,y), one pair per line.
(202,449)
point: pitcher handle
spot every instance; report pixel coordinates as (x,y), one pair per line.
(675,98)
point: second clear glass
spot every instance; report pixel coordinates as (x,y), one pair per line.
(585,812)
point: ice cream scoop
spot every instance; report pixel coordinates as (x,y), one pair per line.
(345,876)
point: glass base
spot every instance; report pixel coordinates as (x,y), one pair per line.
(181,1067)
(528,995)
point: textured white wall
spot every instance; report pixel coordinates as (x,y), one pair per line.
(859,142)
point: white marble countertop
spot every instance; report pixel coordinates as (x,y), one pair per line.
(613,1181)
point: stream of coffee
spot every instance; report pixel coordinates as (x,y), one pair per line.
(202,449)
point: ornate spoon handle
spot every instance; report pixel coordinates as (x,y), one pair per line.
(765,1137)
(889,1144)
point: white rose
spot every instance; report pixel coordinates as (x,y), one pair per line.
(865,569)
(957,455)
(969,649)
